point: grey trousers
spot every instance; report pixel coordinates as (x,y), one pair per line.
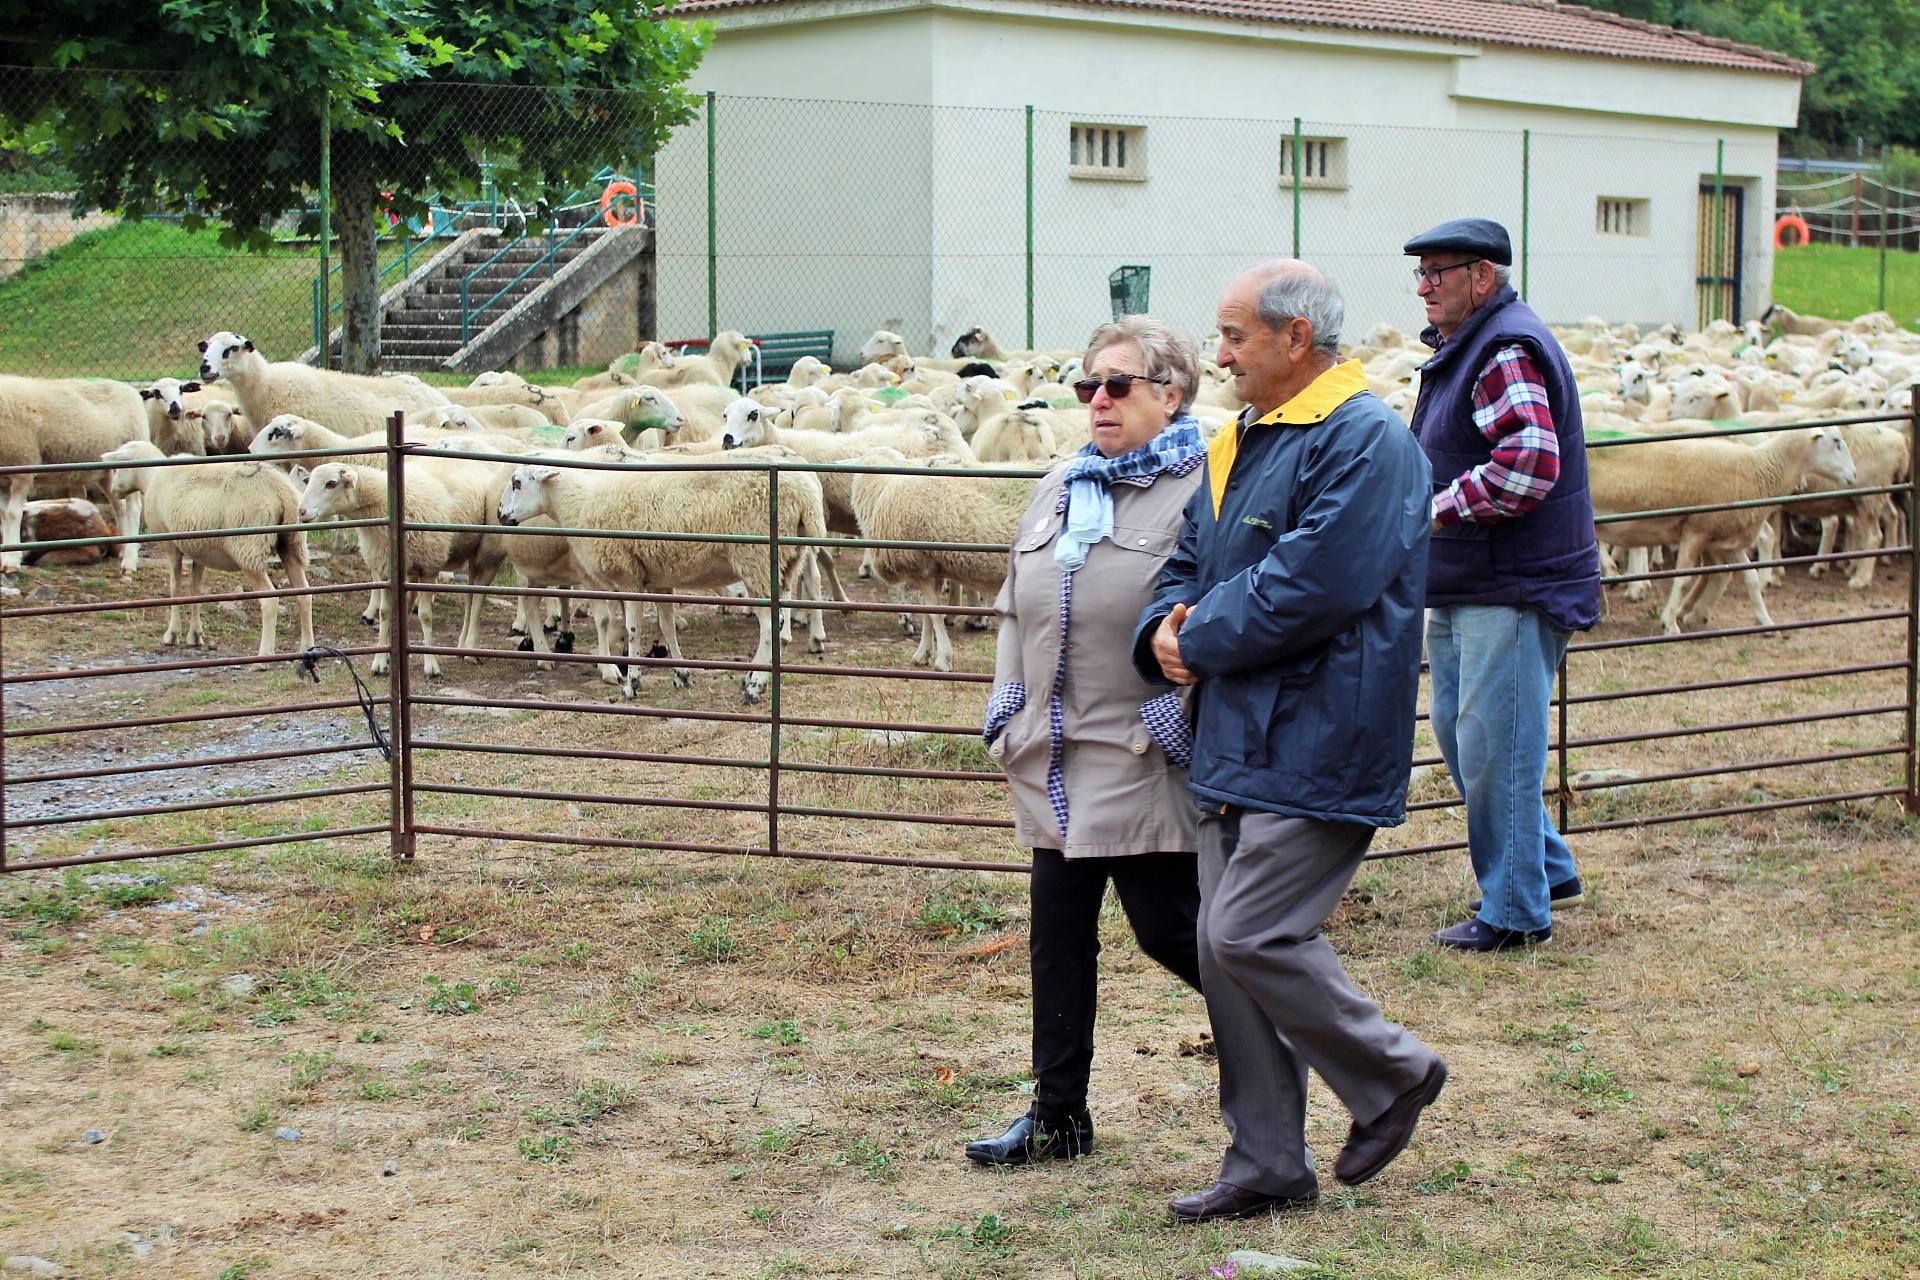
(1278,998)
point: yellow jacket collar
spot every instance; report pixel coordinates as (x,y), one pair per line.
(1321,396)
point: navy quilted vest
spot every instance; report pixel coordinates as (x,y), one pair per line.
(1546,560)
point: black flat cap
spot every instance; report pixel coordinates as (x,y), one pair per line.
(1481,237)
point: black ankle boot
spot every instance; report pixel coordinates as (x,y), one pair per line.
(1030,1139)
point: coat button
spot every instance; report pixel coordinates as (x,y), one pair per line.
(996,750)
(1139,748)
(1143,542)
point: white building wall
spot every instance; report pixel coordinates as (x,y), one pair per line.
(856,217)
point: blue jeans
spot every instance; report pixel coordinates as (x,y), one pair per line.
(1493,671)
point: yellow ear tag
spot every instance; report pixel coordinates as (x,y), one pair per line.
(1007,395)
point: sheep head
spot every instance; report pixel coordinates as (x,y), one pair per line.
(331,487)
(883,345)
(168,392)
(526,494)
(284,434)
(1829,458)
(591,433)
(747,423)
(221,350)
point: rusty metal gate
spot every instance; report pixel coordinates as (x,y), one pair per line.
(788,758)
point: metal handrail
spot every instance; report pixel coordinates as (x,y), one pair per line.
(547,259)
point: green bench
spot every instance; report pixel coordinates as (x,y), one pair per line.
(774,354)
(779,352)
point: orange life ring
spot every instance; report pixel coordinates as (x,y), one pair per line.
(1791,222)
(615,189)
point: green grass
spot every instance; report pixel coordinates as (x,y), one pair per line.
(1843,282)
(133,300)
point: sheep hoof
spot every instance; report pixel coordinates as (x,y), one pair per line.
(682,678)
(526,643)
(750,694)
(976,624)
(659,651)
(517,631)
(369,620)
(563,642)
(816,645)
(543,665)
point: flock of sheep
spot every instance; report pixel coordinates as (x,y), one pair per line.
(650,421)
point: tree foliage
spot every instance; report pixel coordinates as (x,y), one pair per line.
(222,119)
(1868,75)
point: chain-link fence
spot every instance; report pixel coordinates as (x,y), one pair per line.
(781,216)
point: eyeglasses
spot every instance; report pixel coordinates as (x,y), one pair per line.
(1425,275)
(1117,385)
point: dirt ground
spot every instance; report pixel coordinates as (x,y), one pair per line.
(517,1059)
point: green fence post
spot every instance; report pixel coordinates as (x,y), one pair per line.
(713,259)
(1719,220)
(1526,209)
(1029,226)
(1880,221)
(1296,186)
(324,308)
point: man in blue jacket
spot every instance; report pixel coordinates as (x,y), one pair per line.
(1294,602)
(1514,568)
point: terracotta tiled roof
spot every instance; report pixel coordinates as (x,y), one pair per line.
(1525,24)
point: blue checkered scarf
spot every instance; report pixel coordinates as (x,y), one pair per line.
(1086,486)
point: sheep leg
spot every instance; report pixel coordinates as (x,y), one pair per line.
(1703,594)
(19,489)
(257,580)
(1864,534)
(128,511)
(1829,536)
(1766,542)
(1751,577)
(603,641)
(172,632)
(197,627)
(832,572)
(382,640)
(631,611)
(520,625)
(423,605)
(816,616)
(978,621)
(943,647)
(1638,561)
(1691,545)
(376,607)
(480,575)
(534,640)
(754,685)
(668,620)
(302,605)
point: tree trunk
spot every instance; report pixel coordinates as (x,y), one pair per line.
(355,208)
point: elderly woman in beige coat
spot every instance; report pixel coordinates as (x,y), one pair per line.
(1095,756)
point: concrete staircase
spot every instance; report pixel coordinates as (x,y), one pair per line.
(420,324)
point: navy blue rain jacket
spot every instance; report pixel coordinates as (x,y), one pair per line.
(1306,597)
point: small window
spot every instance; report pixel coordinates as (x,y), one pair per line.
(1116,151)
(1323,162)
(1620,216)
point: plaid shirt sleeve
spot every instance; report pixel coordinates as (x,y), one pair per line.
(1510,409)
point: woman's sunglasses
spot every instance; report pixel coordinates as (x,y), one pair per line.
(1117,385)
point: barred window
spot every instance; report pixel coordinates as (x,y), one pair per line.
(1107,151)
(1620,216)
(1323,162)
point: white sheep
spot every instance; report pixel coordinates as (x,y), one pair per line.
(346,402)
(725,501)
(728,350)
(67,420)
(229,495)
(554,404)
(485,418)
(950,509)
(338,490)
(1663,474)
(173,421)
(1882,456)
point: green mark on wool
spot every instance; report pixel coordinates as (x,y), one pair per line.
(629,363)
(550,434)
(889,395)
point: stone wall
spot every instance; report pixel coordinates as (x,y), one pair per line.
(610,322)
(31,225)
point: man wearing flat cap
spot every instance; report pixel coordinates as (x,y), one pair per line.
(1513,568)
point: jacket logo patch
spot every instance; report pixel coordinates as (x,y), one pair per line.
(1257,522)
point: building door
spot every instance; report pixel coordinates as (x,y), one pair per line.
(1718,251)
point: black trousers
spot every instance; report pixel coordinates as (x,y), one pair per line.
(1161,895)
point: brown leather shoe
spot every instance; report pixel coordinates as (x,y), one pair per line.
(1224,1200)
(1371,1147)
